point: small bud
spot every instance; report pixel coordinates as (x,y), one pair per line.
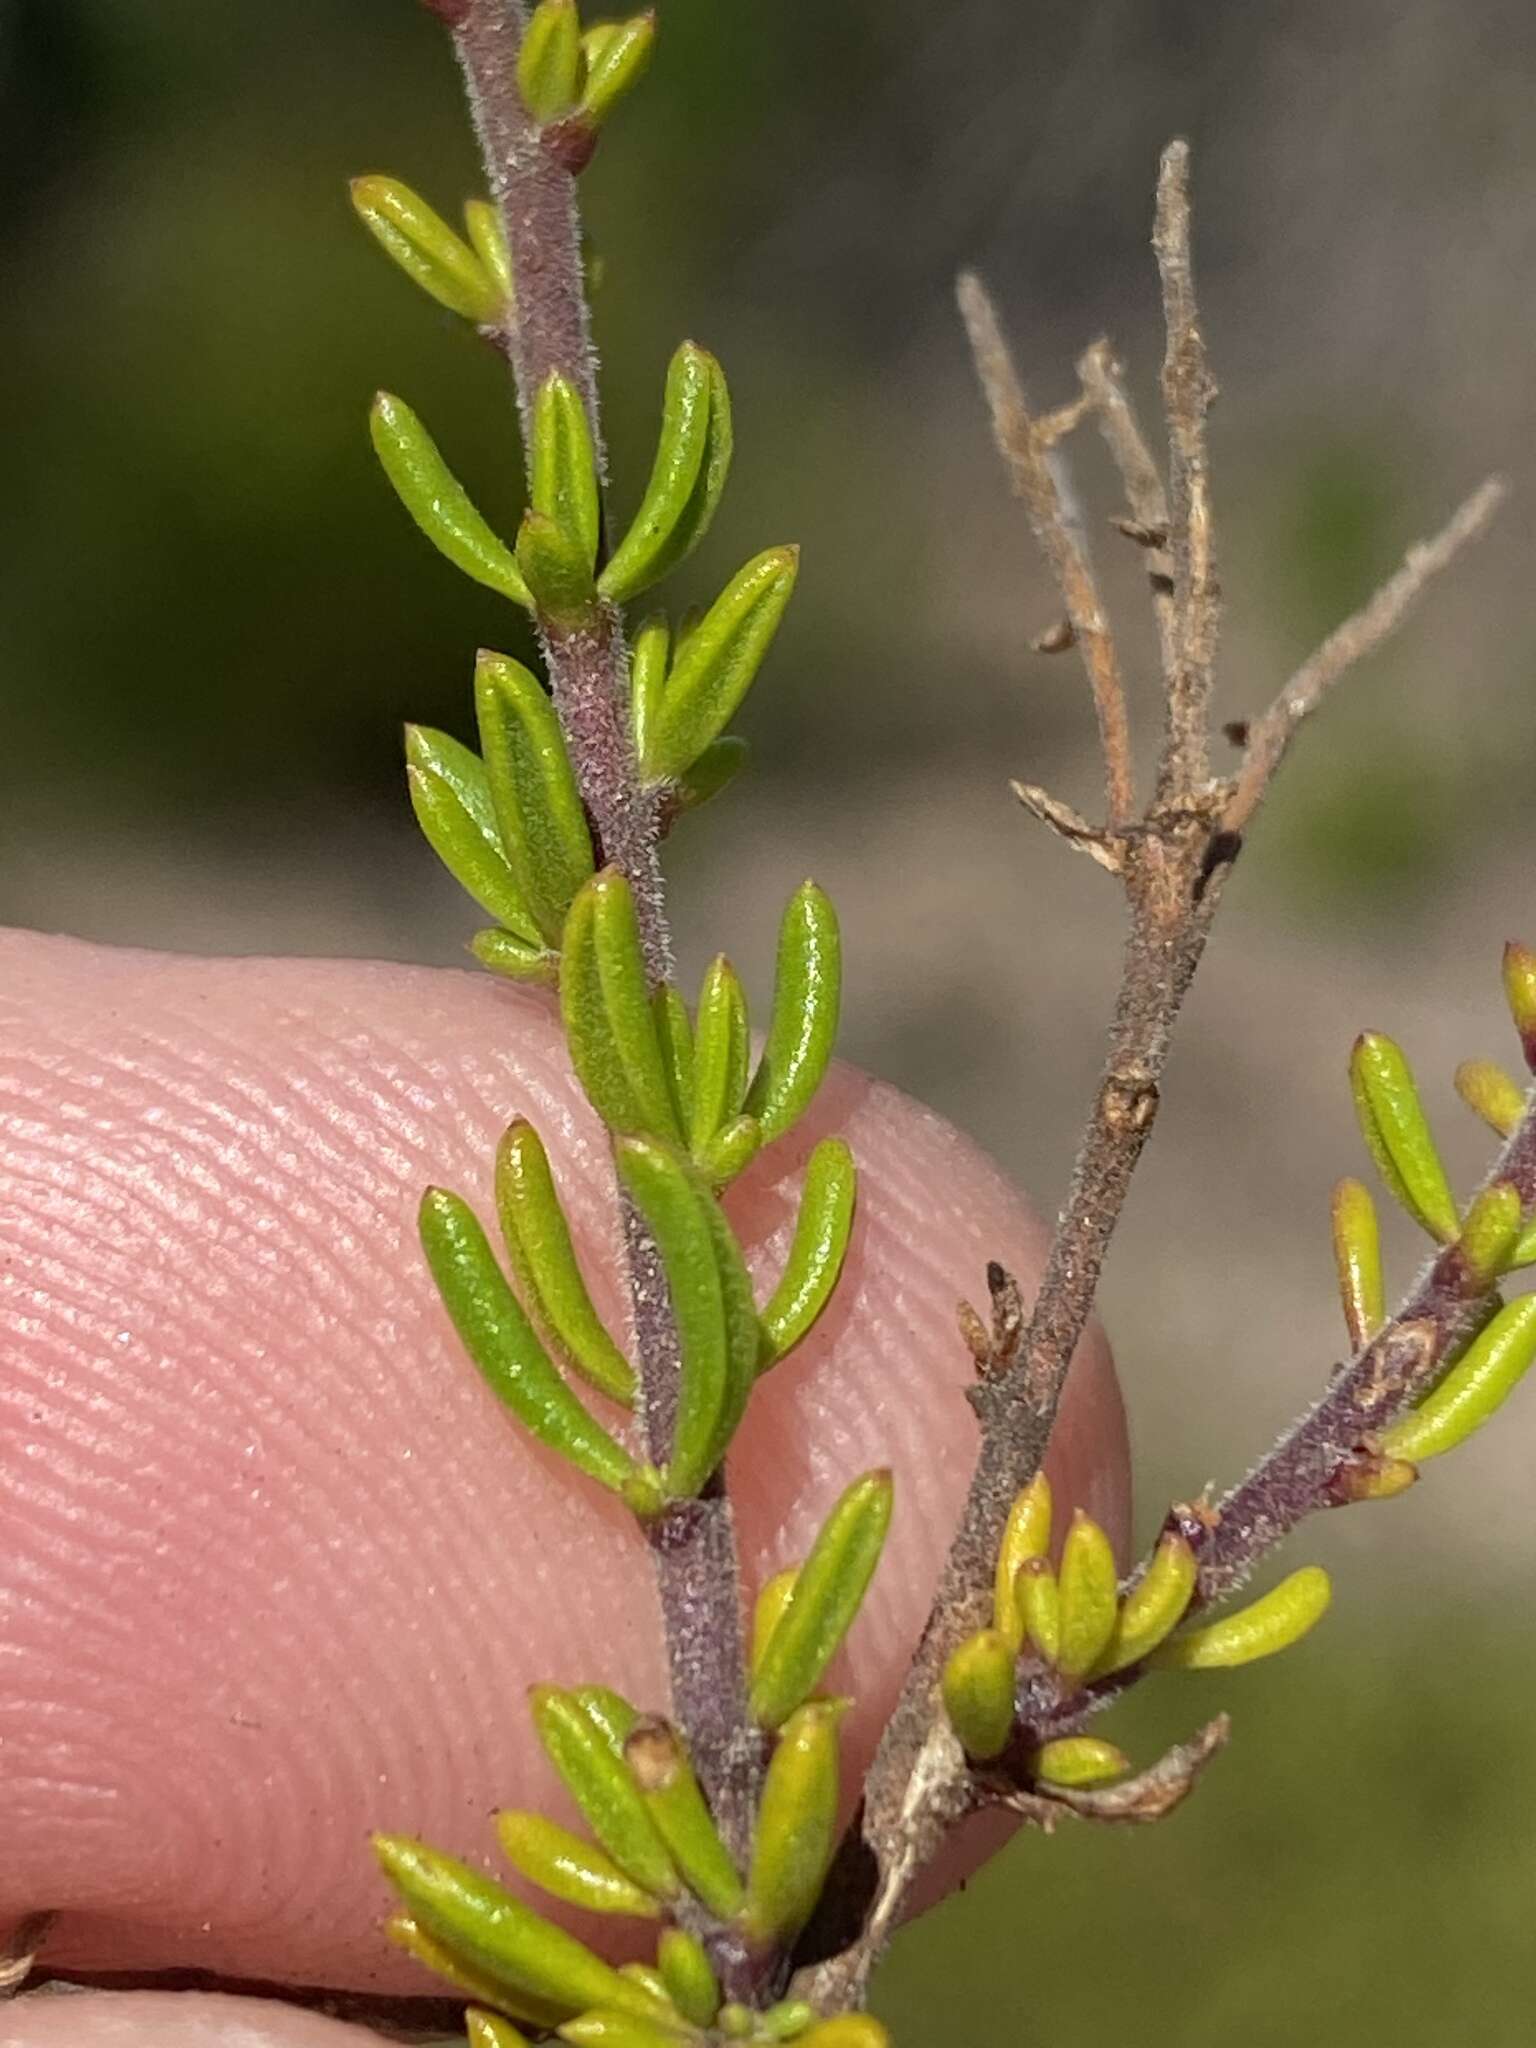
(1079,1760)
(421,242)
(978,1692)
(674,1033)
(659,1764)
(1055,639)
(1040,1605)
(1154,1608)
(823,1227)
(551,63)
(515,958)
(1088,1596)
(1475,1388)
(1027,1535)
(1282,1617)
(826,1597)
(803,1026)
(1489,1233)
(1491,1093)
(1394,1127)
(1357,1255)
(689,1976)
(736,2022)
(556,570)
(788,2020)
(1367,1475)
(1520,992)
(647,676)
(617,66)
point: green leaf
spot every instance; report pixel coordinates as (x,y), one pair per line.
(1520,992)
(488,238)
(816,1254)
(826,1597)
(515,958)
(803,1027)
(1079,1760)
(1281,1618)
(1154,1608)
(1357,1257)
(588,1032)
(1473,1390)
(499,1934)
(568,1868)
(600,2029)
(500,1340)
(731,1151)
(674,1034)
(1089,1596)
(1393,1125)
(491,2030)
(551,63)
(538,805)
(556,571)
(1491,1093)
(712,773)
(616,65)
(1040,1607)
(438,502)
(659,1764)
(627,1006)
(592,1766)
(452,801)
(421,242)
(711,1303)
(767,1611)
(978,1692)
(796,1823)
(689,1976)
(1026,1536)
(543,1257)
(721,1051)
(693,455)
(564,470)
(713,669)
(455,1968)
(647,676)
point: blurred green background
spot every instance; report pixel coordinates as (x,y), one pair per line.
(215,620)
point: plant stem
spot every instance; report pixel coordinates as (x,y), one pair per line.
(694,1543)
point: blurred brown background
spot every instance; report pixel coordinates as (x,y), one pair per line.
(216,619)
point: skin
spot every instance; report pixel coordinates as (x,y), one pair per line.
(274,1566)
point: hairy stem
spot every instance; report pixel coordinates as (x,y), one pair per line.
(694,1543)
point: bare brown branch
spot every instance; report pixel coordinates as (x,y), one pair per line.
(1188,389)
(1270,736)
(1103,381)
(1068,824)
(1025,444)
